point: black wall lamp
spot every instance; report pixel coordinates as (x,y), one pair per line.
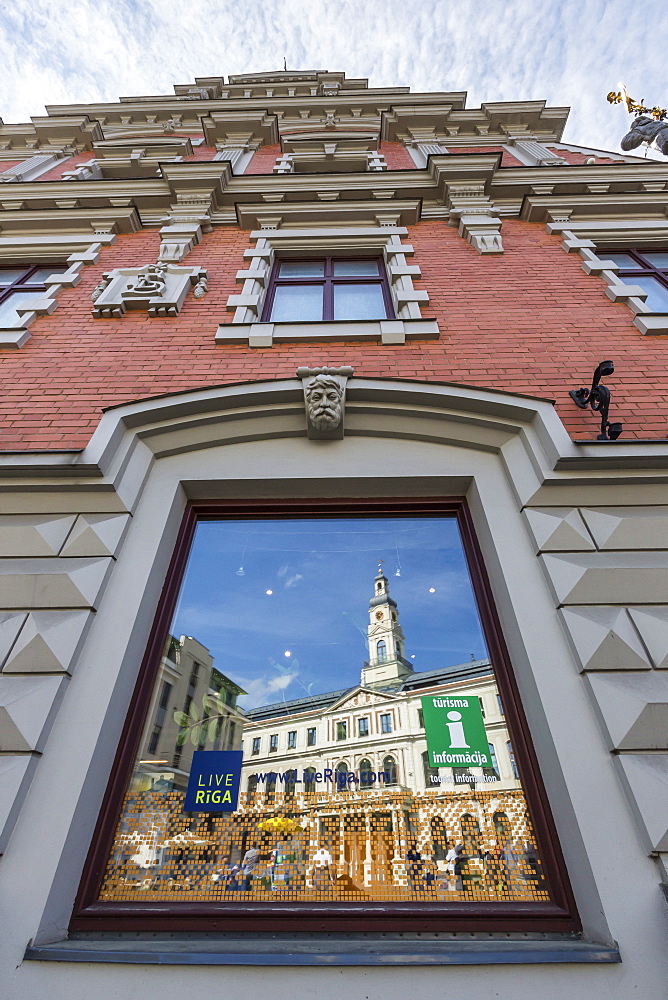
(598,397)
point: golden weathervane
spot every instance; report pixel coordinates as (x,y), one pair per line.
(635,107)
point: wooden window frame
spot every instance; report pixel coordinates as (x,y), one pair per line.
(20,284)
(327,282)
(644,269)
(559,915)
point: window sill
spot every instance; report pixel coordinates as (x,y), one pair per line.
(387,331)
(329,950)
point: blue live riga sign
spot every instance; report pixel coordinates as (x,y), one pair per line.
(213,785)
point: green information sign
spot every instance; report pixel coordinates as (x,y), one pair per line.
(455,731)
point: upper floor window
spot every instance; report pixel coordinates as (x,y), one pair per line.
(647,268)
(363,726)
(386,723)
(292,739)
(273,743)
(256,745)
(328,288)
(310,737)
(341,730)
(20,284)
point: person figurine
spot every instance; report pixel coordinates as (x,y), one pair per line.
(250,861)
(460,866)
(322,869)
(414,865)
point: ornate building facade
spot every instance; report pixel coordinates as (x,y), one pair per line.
(352,766)
(290,294)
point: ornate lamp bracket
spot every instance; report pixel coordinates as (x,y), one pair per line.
(598,397)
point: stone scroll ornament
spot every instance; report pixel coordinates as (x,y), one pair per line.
(325,401)
(158,288)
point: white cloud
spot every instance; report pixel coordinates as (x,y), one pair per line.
(567,53)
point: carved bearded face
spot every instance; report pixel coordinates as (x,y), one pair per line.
(323,399)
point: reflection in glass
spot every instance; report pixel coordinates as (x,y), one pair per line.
(363,301)
(657,294)
(294,303)
(354,268)
(659,258)
(16,300)
(337,654)
(623,259)
(302,268)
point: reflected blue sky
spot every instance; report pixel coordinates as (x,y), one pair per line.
(320,576)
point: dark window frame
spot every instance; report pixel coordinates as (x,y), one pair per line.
(327,281)
(645,267)
(559,915)
(21,284)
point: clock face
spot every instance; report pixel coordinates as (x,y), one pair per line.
(379,615)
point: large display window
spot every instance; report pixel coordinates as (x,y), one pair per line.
(326,724)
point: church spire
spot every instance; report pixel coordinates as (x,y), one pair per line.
(387,665)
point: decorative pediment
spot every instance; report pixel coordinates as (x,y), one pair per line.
(362,697)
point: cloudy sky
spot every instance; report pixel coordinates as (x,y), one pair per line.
(283,606)
(567,52)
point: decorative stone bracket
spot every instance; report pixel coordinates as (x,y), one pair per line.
(159,288)
(476,217)
(325,401)
(187,220)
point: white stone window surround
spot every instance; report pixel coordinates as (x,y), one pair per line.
(594,262)
(58,251)
(187,437)
(383,241)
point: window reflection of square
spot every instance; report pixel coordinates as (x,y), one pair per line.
(329,783)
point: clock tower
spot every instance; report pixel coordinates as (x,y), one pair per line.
(387,665)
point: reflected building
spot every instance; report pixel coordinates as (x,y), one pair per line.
(189,684)
(351,766)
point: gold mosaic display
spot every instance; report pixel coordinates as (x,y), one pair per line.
(370,845)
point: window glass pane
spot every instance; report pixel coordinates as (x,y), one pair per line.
(656,257)
(354,268)
(297,302)
(657,298)
(314,589)
(302,268)
(359,302)
(10,274)
(43,272)
(8,312)
(623,259)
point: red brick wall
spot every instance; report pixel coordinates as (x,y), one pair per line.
(263,160)
(68,164)
(527,321)
(507,159)
(201,153)
(397,156)
(577,159)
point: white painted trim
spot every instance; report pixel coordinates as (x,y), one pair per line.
(645,320)
(14,336)
(385,240)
